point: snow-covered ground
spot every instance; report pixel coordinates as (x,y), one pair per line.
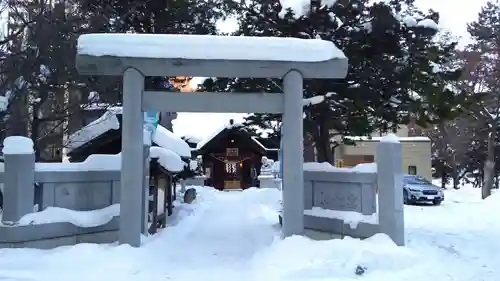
(234,236)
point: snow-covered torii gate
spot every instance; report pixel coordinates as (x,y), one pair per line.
(138,55)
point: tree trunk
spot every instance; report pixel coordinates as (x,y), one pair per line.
(443,178)
(35,132)
(322,142)
(489,166)
(455,176)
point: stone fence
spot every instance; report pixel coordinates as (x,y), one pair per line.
(345,201)
(93,186)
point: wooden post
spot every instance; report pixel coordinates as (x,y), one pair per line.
(153,174)
(168,193)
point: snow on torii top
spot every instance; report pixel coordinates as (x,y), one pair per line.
(208,47)
(208,56)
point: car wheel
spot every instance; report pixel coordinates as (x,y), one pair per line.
(437,202)
(406,200)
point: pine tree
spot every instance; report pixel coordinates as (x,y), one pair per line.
(37,68)
(393,66)
(483,82)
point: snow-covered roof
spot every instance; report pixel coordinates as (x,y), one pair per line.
(254,138)
(166,139)
(167,159)
(182,46)
(203,142)
(109,121)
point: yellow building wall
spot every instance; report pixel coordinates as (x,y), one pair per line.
(415,153)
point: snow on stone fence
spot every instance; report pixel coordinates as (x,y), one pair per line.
(78,201)
(344,201)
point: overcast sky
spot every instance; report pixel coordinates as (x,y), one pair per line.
(455,14)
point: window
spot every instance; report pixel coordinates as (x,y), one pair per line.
(412,170)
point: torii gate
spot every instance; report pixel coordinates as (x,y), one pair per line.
(138,55)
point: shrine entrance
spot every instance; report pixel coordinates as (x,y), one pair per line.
(136,56)
(231,159)
(233,174)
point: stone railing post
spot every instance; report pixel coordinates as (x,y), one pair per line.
(19,176)
(390,189)
(182,182)
(266,181)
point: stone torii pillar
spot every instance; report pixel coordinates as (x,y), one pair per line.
(135,56)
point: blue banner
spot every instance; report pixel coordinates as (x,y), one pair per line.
(151,120)
(152,117)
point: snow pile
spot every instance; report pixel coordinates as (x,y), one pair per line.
(299,8)
(112,162)
(167,159)
(4,103)
(193,165)
(428,23)
(300,258)
(365,168)
(410,21)
(207,47)
(95,162)
(302,7)
(234,236)
(101,125)
(313,101)
(327,167)
(317,99)
(17,145)
(79,218)
(349,217)
(390,138)
(322,167)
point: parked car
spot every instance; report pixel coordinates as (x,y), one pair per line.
(417,189)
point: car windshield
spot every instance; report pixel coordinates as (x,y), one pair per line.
(416,180)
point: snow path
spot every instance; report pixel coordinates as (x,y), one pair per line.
(234,236)
(215,240)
